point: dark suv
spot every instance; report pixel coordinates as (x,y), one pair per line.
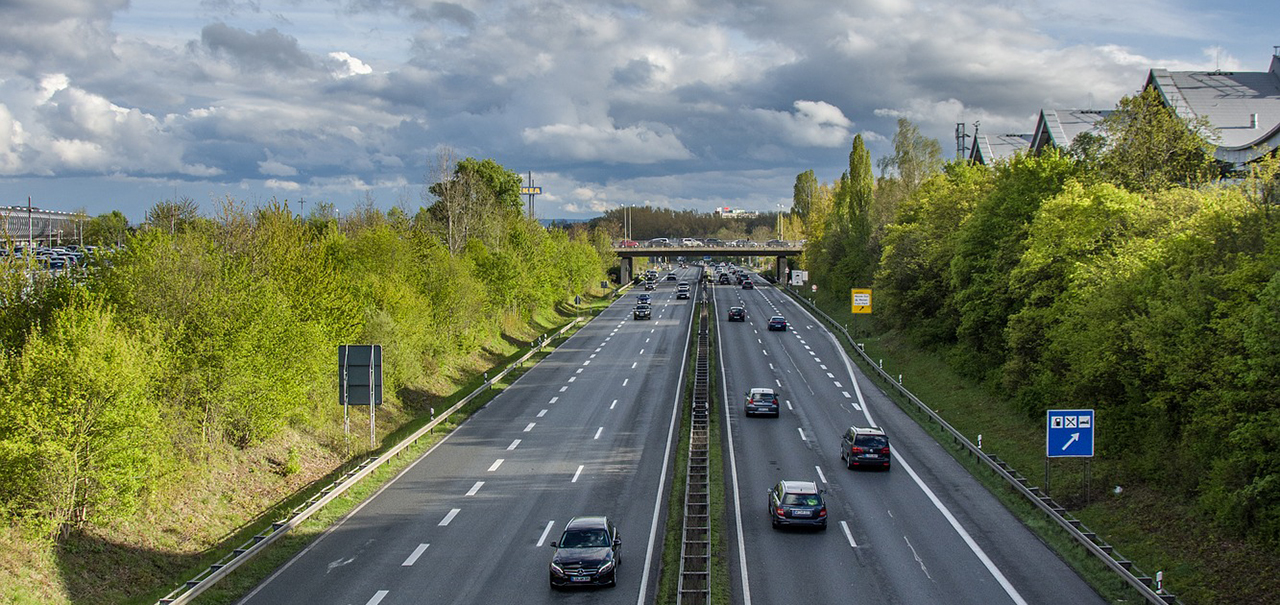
(797,503)
(737,314)
(586,553)
(865,447)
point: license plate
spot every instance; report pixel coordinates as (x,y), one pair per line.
(800,513)
(579,579)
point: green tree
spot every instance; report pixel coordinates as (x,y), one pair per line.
(806,188)
(915,157)
(171,215)
(1149,148)
(108,229)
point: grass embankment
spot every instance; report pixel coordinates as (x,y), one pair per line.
(668,584)
(1158,531)
(233,494)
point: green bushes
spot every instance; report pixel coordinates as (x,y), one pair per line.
(223,333)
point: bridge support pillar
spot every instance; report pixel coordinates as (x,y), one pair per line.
(625,271)
(782,273)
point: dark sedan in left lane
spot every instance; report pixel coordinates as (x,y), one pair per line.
(586,554)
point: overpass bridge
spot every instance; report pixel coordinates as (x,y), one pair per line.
(781,254)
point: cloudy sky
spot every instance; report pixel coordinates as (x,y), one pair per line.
(685,104)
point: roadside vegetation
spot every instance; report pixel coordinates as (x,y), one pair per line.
(157,404)
(1127,274)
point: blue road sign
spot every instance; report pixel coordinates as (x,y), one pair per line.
(1069,434)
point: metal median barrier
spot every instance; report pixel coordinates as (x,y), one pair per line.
(1141,582)
(203,581)
(695,546)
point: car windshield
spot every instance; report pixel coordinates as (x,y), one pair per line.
(800,499)
(584,538)
(872,441)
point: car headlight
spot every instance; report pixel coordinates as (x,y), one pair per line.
(607,566)
(556,568)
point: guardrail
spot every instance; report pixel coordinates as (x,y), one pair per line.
(237,557)
(1142,583)
(695,548)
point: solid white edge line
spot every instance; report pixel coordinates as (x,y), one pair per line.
(476,488)
(377,597)
(547,530)
(848,534)
(577,473)
(964,535)
(737,491)
(496,464)
(662,481)
(413,558)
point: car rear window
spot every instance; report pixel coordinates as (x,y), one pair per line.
(871,441)
(801,500)
(770,397)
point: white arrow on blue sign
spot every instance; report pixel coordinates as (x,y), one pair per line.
(1069,434)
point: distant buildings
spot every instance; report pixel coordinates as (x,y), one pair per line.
(48,227)
(727,212)
(1242,107)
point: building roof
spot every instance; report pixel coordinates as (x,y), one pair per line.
(987,150)
(1242,107)
(1059,127)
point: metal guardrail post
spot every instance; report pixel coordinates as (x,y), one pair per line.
(1122,567)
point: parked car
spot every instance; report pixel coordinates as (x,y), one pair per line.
(737,314)
(761,401)
(642,311)
(797,503)
(587,553)
(865,447)
(748,285)
(778,322)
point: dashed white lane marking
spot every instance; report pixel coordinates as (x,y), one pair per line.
(789,405)
(377,597)
(529,427)
(598,431)
(651,331)
(771,366)
(576,473)
(615,402)
(820,475)
(564,388)
(554,399)
(586,363)
(513,445)
(543,538)
(806,347)
(449,517)
(597,350)
(578,372)
(625,381)
(846,394)
(413,558)
(830,375)
(542,413)
(642,351)
(823,367)
(838,385)
(819,361)
(857,407)
(759,341)
(476,488)
(496,464)
(593,356)
(633,364)
(848,534)
(778,382)
(766,352)
(572,378)
(801,429)
(646,341)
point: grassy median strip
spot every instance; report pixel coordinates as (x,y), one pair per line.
(669,583)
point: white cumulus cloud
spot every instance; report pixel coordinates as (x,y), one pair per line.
(630,145)
(812,124)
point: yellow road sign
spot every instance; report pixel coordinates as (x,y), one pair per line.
(861,300)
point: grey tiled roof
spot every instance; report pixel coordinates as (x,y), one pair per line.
(1059,127)
(1242,107)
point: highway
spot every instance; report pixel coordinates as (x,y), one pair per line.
(923,532)
(588,430)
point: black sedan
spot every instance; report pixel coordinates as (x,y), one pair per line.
(737,314)
(778,322)
(586,553)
